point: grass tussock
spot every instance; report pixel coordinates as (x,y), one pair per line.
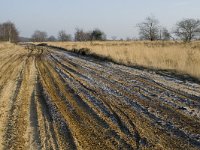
(184,58)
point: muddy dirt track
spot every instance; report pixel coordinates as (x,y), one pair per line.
(52,99)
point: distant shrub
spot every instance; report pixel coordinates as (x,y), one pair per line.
(42,44)
(82,51)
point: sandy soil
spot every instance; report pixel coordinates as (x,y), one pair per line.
(52,99)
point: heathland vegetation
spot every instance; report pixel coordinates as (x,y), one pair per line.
(156,46)
(65,92)
(176,56)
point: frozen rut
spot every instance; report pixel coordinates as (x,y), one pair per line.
(54,99)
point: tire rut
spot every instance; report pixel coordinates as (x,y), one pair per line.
(51,99)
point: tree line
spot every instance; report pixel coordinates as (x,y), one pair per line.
(8,32)
(80,35)
(150,29)
(186,30)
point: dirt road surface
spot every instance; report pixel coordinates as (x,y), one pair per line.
(52,99)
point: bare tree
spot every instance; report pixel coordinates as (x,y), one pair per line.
(39,36)
(1,33)
(164,34)
(188,29)
(95,35)
(62,36)
(51,39)
(149,29)
(8,32)
(80,35)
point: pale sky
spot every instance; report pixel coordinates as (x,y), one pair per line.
(114,17)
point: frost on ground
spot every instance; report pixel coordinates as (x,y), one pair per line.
(52,99)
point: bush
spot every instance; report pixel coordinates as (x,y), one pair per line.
(42,44)
(82,51)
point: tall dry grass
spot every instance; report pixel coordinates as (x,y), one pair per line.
(6,45)
(184,58)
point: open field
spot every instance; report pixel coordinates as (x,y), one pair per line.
(54,99)
(180,57)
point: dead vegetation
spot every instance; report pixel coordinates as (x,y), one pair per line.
(180,57)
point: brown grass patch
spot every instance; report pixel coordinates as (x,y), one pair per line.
(180,57)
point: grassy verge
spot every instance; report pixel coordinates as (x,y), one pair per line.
(179,57)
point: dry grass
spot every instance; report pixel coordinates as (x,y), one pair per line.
(184,58)
(5,46)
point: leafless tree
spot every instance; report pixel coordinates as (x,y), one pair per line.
(39,36)
(80,35)
(8,32)
(149,29)
(51,39)
(1,32)
(164,34)
(62,36)
(188,29)
(95,35)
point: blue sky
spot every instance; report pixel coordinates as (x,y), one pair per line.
(114,17)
